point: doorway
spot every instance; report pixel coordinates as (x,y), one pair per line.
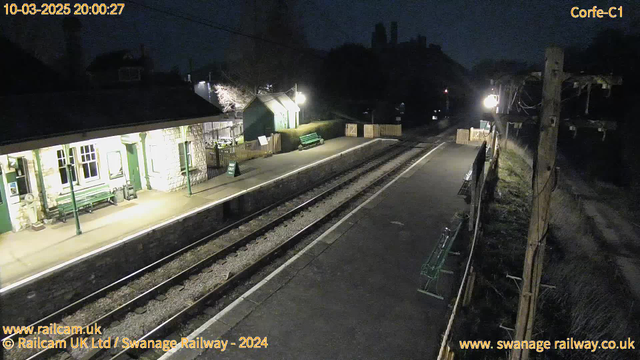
(134,167)
(5,219)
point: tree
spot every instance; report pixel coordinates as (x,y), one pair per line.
(232,97)
(257,63)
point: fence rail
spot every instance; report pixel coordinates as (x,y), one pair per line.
(220,157)
(489,149)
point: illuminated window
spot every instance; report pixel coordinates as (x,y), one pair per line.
(114,162)
(89,162)
(181,152)
(62,167)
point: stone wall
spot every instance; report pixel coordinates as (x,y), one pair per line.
(164,153)
(46,294)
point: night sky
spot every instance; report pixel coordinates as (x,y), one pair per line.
(469,31)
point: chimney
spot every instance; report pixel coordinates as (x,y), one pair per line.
(73,43)
(394,33)
(147,64)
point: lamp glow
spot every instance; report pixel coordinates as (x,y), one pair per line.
(491,101)
(300,98)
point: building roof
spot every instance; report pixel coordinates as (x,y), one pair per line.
(114,60)
(48,115)
(22,73)
(276,102)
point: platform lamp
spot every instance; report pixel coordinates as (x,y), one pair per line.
(183,134)
(69,167)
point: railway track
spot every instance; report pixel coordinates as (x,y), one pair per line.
(187,312)
(279,213)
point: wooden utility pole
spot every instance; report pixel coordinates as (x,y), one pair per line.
(543,182)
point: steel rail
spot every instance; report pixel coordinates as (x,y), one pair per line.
(220,290)
(197,267)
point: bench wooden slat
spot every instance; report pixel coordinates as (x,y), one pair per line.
(84,198)
(310,139)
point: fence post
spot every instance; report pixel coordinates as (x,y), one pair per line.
(216,152)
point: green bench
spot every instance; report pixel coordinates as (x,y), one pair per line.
(85,198)
(310,140)
(432,268)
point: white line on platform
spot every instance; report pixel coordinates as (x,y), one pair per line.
(177,218)
(230,307)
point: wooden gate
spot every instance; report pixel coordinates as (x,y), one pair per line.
(371,131)
(351,130)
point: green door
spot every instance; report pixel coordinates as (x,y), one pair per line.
(5,220)
(134,168)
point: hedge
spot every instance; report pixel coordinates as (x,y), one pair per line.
(327,129)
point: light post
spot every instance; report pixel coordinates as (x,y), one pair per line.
(446,93)
(490,101)
(73,195)
(300,99)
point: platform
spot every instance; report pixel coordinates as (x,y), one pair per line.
(352,293)
(27,253)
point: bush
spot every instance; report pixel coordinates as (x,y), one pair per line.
(327,129)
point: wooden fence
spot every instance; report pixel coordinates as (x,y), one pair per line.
(390,130)
(378,130)
(219,158)
(483,179)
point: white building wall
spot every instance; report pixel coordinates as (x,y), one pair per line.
(163,164)
(164,161)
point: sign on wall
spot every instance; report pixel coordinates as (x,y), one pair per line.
(13,188)
(263,140)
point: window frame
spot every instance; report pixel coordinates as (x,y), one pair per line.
(128,71)
(181,149)
(92,157)
(120,174)
(22,164)
(74,168)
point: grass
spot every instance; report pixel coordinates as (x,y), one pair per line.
(500,252)
(590,301)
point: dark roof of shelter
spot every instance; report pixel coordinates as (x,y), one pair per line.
(114,60)
(46,115)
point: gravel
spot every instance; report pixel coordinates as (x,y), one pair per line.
(154,312)
(136,324)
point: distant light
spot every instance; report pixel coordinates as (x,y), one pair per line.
(434,117)
(446,91)
(300,98)
(491,101)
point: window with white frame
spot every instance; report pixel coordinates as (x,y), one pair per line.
(89,160)
(62,167)
(181,147)
(114,162)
